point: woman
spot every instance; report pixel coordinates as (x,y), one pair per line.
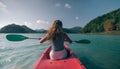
(57,37)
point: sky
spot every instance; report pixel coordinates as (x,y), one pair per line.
(40,14)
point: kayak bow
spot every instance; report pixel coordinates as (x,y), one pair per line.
(71,62)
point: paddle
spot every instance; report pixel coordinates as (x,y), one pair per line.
(13,37)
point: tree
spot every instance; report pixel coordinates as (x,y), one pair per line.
(109,25)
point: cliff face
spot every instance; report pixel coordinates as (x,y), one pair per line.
(106,22)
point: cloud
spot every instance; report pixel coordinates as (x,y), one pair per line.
(43,24)
(3,7)
(76,17)
(67,5)
(42,21)
(39,24)
(28,23)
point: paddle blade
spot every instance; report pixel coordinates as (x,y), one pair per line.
(13,37)
(84,41)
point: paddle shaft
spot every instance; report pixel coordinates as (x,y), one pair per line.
(35,38)
(13,37)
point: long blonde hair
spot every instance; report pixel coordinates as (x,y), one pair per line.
(55,30)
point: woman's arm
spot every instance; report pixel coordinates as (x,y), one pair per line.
(67,38)
(43,39)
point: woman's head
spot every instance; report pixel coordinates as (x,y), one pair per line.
(57,23)
(55,29)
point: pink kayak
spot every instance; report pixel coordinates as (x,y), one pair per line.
(71,62)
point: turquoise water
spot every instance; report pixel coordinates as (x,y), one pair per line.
(102,53)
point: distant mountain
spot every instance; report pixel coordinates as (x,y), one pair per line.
(13,28)
(41,31)
(107,22)
(72,30)
(67,30)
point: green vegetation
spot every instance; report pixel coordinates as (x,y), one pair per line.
(72,30)
(107,22)
(13,28)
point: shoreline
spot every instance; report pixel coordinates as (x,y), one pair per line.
(106,32)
